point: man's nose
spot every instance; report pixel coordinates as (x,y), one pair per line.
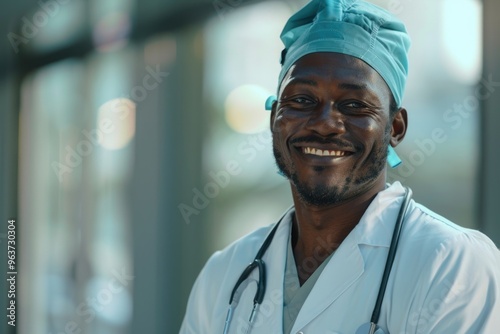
(327,120)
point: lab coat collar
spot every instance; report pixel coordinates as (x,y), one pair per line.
(377,224)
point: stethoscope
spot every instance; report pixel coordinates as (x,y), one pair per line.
(367,328)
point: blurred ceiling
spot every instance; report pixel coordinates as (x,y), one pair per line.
(152,16)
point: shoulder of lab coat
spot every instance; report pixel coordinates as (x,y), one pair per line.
(222,269)
(452,277)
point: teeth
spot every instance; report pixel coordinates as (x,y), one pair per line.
(318,152)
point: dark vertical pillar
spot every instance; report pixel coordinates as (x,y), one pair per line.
(9,122)
(490,135)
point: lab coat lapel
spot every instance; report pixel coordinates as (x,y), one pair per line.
(343,269)
(347,264)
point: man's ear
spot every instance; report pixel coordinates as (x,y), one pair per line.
(399,126)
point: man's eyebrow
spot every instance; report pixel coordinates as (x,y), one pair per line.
(353,86)
(344,85)
(308,82)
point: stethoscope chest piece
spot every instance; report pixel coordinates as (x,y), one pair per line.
(367,329)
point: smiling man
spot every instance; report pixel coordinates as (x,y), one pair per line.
(354,254)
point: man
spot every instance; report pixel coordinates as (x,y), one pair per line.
(337,115)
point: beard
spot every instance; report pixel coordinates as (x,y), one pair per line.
(323,194)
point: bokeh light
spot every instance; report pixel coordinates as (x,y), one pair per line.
(116,123)
(244,107)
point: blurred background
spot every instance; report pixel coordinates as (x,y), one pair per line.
(134,143)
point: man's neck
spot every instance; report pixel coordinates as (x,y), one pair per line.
(318,231)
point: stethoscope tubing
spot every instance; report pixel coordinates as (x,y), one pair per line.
(391,255)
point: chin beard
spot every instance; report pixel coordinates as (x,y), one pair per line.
(323,195)
(320,195)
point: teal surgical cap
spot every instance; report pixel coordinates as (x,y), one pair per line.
(351,27)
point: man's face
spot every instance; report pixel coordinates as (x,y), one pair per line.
(331,127)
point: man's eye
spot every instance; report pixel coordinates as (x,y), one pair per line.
(302,100)
(354,105)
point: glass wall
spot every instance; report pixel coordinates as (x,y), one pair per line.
(76,129)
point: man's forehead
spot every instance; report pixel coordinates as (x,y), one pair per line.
(345,71)
(332,63)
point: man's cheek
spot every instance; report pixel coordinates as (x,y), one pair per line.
(282,155)
(281,145)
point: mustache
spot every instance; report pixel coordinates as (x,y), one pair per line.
(322,140)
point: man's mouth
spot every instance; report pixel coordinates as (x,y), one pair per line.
(323,153)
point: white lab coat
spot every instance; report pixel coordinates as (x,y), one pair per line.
(445,279)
